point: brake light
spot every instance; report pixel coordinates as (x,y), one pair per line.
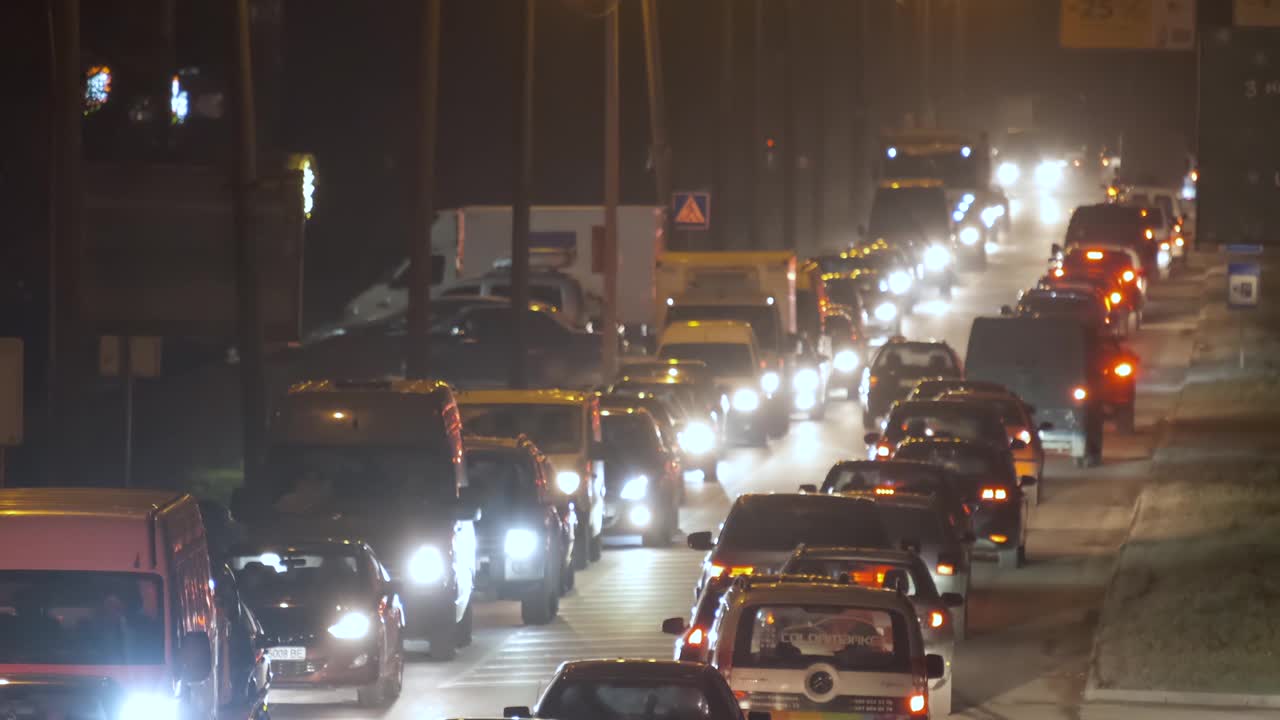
(1116,297)
(872,380)
(882,451)
(946,569)
(1094,255)
(1057,272)
(1128,276)
(695,637)
(1079,393)
(716,571)
(916,704)
(999,539)
(936,619)
(1124,369)
(884,491)
(995,494)
(1025,436)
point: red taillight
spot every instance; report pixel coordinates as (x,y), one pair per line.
(916,704)
(1128,276)
(872,380)
(1151,235)
(996,494)
(936,619)
(1124,370)
(1116,297)
(694,638)
(946,569)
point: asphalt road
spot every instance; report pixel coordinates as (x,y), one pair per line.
(1031,629)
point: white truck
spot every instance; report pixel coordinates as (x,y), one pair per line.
(471,241)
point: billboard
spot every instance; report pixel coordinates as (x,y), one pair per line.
(1238,153)
(1128,24)
(159,253)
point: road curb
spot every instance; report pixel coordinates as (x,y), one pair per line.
(1164,697)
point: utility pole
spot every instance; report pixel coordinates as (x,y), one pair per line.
(819,163)
(661,150)
(418,352)
(959,51)
(858,170)
(66,234)
(788,131)
(253,389)
(720,184)
(612,140)
(927,118)
(520,201)
(757,128)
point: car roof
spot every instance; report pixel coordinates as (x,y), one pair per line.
(505,396)
(881,464)
(631,669)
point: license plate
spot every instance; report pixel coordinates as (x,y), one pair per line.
(287,653)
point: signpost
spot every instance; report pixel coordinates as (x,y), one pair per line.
(1238,191)
(692,210)
(10,398)
(128,358)
(1244,287)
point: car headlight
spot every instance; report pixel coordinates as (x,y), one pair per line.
(746,400)
(936,258)
(1007,173)
(520,544)
(568,481)
(970,235)
(352,626)
(886,312)
(426,566)
(845,361)
(770,382)
(806,380)
(635,488)
(149,706)
(899,282)
(1049,174)
(697,438)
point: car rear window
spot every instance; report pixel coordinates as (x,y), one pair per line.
(915,582)
(785,521)
(937,420)
(907,477)
(794,637)
(914,357)
(1039,344)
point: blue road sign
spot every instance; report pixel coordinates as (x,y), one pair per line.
(1244,285)
(692,210)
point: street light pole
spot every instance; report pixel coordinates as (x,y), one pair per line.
(518,377)
(756,215)
(789,135)
(612,139)
(418,350)
(720,184)
(819,165)
(661,150)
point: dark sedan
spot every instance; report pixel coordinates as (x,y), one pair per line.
(330,614)
(895,370)
(644,482)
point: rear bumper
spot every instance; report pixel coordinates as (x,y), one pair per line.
(328,667)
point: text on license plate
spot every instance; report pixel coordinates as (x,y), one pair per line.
(287,653)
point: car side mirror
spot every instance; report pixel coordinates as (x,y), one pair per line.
(523,711)
(809,488)
(1017,444)
(1006,311)
(674,626)
(1027,480)
(195,657)
(1046,425)
(935,666)
(700,541)
(953,600)
(871,438)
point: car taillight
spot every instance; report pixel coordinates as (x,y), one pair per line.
(946,569)
(737,570)
(916,704)
(999,539)
(873,380)
(1058,272)
(1128,276)
(1079,393)
(997,494)
(1124,370)
(1093,255)
(1116,297)
(1025,436)
(936,619)
(694,638)
(882,451)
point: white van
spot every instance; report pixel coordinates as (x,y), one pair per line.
(730,350)
(117,586)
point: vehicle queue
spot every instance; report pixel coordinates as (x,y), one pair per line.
(391,507)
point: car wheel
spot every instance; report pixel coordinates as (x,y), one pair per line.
(1009,558)
(543,604)
(596,548)
(581,555)
(444,638)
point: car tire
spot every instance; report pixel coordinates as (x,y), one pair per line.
(444,639)
(596,548)
(1009,558)
(581,553)
(542,606)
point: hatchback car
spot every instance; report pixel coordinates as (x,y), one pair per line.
(331,615)
(1000,507)
(526,529)
(942,616)
(937,419)
(896,369)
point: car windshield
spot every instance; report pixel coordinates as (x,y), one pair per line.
(55,617)
(763,319)
(634,699)
(867,573)
(272,576)
(907,477)
(794,637)
(724,359)
(555,429)
(340,478)
(769,525)
(845,291)
(914,358)
(953,420)
(501,479)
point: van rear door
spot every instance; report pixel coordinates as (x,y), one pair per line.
(1040,359)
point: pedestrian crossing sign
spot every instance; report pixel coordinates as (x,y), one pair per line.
(693,210)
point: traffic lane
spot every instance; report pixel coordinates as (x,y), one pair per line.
(1032,629)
